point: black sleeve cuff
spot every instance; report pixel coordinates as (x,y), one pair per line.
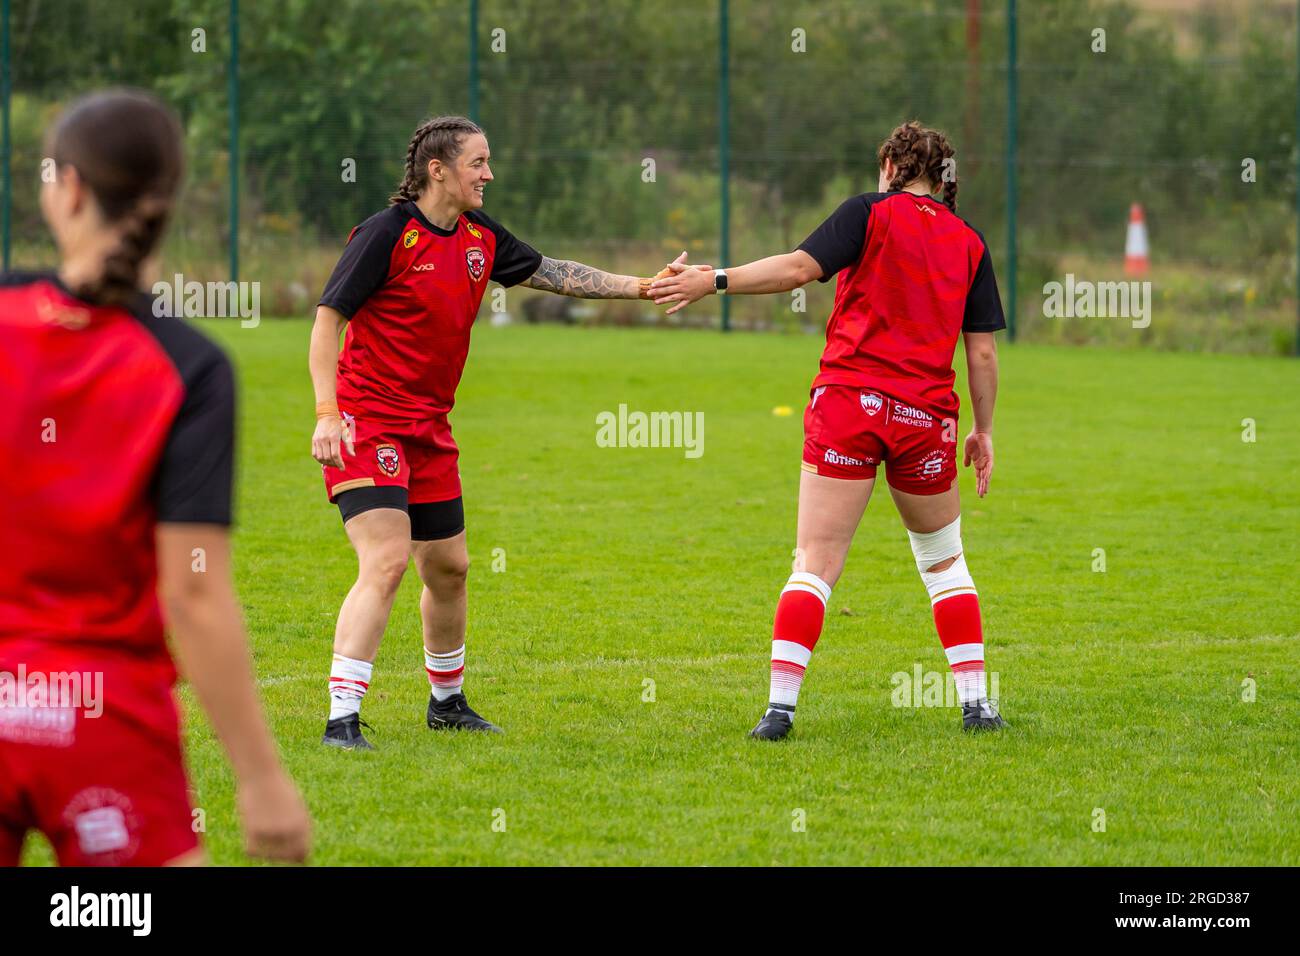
(337,307)
(518,275)
(826,275)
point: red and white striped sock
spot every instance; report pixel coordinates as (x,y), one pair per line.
(446,672)
(349,681)
(799,616)
(956,609)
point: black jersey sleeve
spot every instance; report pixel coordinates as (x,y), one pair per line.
(983,304)
(515,260)
(197,471)
(837,243)
(194,479)
(364,265)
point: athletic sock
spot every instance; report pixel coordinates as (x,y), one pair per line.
(799,616)
(956,609)
(446,672)
(349,681)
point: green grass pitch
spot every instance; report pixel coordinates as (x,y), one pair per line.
(1125,688)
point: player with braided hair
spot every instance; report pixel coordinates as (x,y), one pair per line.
(913,278)
(119,425)
(407,288)
(435,137)
(920,155)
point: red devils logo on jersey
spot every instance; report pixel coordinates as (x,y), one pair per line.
(871,402)
(389,463)
(476,260)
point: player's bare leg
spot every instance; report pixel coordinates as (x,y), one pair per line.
(924,514)
(381,538)
(443,566)
(933,524)
(829,512)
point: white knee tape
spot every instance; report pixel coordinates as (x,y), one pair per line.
(949,582)
(936,546)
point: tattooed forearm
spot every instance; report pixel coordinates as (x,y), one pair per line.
(567,277)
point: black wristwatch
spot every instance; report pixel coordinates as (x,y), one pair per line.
(720,281)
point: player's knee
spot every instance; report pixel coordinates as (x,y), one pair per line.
(819,562)
(939,559)
(385,569)
(942,565)
(937,550)
(445,573)
(454,571)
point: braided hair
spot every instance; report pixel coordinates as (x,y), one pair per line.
(438,138)
(921,153)
(139,230)
(126,147)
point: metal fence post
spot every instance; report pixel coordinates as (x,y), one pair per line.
(724,147)
(1012,152)
(232,93)
(473,60)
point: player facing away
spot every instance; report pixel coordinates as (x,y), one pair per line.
(408,287)
(912,278)
(117,429)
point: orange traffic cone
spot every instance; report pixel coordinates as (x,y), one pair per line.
(1136,251)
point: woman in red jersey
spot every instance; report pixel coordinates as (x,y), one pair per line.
(913,277)
(117,434)
(407,288)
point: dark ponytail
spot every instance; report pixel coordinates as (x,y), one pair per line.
(126,147)
(921,153)
(141,228)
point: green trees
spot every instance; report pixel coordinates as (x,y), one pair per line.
(603,117)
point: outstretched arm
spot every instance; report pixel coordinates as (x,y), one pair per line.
(566,277)
(773,274)
(833,245)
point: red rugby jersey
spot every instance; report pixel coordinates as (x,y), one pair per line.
(410,291)
(912,277)
(111,421)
